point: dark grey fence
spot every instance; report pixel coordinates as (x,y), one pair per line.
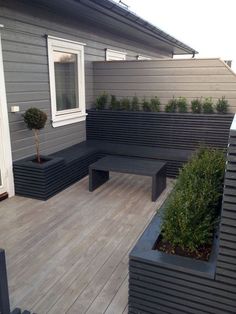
(165,130)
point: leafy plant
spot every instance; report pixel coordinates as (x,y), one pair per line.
(222,105)
(114,104)
(182,104)
(171,106)
(191,213)
(155,104)
(35,119)
(135,104)
(207,105)
(196,105)
(146,105)
(125,104)
(101,101)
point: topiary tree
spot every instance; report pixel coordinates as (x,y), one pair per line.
(35,120)
(135,104)
(101,101)
(207,105)
(155,104)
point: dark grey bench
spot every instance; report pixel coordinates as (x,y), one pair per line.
(99,171)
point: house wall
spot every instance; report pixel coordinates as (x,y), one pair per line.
(190,78)
(26,68)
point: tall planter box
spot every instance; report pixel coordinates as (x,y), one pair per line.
(163,283)
(40,181)
(184,131)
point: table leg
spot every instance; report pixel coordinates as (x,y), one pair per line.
(158,183)
(97,178)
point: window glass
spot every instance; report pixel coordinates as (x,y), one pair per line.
(66,80)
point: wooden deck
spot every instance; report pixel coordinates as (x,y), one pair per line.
(70,254)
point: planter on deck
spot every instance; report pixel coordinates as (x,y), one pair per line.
(40,181)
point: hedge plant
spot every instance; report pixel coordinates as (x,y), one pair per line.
(102,101)
(114,103)
(207,105)
(182,104)
(35,119)
(135,104)
(196,105)
(192,211)
(172,105)
(125,104)
(222,105)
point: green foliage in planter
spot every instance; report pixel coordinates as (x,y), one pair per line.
(101,101)
(146,105)
(193,208)
(222,105)
(125,104)
(172,105)
(114,104)
(35,119)
(135,104)
(155,104)
(207,105)
(196,105)
(182,104)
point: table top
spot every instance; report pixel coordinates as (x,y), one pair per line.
(131,165)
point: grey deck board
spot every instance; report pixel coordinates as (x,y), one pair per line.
(70,253)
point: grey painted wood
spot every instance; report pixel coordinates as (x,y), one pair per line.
(190,78)
(26,67)
(72,251)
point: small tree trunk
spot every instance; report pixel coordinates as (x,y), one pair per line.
(36,136)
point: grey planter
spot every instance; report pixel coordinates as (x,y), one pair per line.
(40,181)
(164,283)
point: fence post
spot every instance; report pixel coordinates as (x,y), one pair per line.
(4,294)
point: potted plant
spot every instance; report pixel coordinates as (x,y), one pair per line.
(38,176)
(35,119)
(179,264)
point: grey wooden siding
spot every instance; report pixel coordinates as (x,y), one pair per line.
(164,78)
(26,69)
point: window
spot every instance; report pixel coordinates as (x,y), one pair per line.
(112,55)
(66,72)
(140,57)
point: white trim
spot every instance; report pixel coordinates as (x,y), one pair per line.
(233,125)
(66,40)
(65,117)
(112,55)
(1,25)
(140,57)
(7,175)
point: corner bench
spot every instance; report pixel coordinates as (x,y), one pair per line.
(77,158)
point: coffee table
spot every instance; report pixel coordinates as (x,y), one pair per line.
(99,171)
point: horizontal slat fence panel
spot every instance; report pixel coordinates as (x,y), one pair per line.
(165,78)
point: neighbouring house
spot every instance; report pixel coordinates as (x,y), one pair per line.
(47,49)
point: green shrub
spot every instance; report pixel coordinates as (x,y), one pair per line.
(114,104)
(125,104)
(182,104)
(196,105)
(101,101)
(207,105)
(222,105)
(155,104)
(171,106)
(35,119)
(135,104)
(191,213)
(146,105)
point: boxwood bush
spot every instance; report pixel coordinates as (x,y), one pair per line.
(222,105)
(193,208)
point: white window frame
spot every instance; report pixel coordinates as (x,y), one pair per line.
(65,117)
(114,55)
(140,57)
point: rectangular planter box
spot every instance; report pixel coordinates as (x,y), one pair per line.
(40,181)
(164,283)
